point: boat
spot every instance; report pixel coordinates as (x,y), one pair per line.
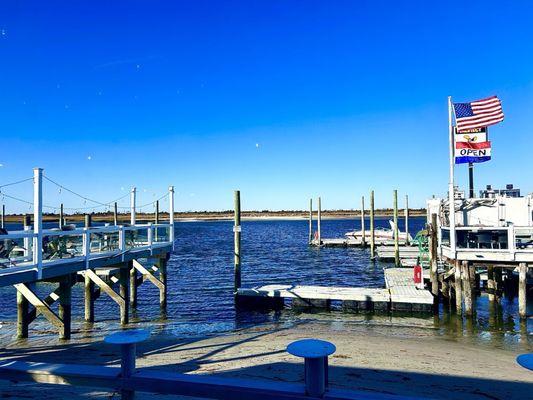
(380,234)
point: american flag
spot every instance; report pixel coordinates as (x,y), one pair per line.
(478,114)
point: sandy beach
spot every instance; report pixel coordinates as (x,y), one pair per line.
(372,359)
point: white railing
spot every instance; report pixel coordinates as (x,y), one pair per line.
(509,240)
(81,244)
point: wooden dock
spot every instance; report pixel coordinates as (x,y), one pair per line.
(352,242)
(99,258)
(387,253)
(400,294)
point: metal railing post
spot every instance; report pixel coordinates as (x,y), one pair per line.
(38,220)
(150,235)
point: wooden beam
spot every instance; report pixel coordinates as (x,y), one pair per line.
(133,286)
(104,287)
(22,316)
(65,306)
(458,288)
(467,288)
(146,274)
(124,294)
(43,308)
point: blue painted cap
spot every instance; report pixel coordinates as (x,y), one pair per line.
(129,336)
(525,360)
(311,348)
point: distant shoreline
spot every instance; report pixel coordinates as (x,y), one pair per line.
(223,215)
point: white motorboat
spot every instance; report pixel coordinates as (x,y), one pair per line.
(380,234)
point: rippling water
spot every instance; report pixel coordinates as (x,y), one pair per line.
(200,280)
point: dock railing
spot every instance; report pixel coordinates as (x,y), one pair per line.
(489,243)
(81,244)
(38,247)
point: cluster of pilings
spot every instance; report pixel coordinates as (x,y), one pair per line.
(315,236)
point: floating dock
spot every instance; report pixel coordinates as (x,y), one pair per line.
(352,242)
(400,294)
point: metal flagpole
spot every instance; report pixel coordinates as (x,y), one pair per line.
(451,189)
(471,180)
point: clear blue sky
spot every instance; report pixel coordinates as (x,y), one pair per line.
(281,99)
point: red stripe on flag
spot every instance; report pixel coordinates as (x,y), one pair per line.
(472,145)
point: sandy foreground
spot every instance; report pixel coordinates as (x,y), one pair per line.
(367,359)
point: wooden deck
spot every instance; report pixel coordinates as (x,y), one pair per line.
(400,294)
(387,252)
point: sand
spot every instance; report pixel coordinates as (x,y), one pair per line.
(371,359)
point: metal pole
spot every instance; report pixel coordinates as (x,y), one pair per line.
(372,237)
(38,220)
(3,219)
(451,187)
(471,180)
(115,214)
(237,240)
(133,200)
(396,238)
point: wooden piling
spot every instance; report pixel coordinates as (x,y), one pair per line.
(156,214)
(498,282)
(124,293)
(458,288)
(406,220)
(522,290)
(319,221)
(237,240)
(22,316)
(310,220)
(491,284)
(163,279)
(396,233)
(372,237)
(115,214)
(65,308)
(133,285)
(363,237)
(3,217)
(467,287)
(88,287)
(433,256)
(61,218)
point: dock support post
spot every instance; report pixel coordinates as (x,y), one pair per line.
(163,278)
(372,237)
(498,282)
(467,287)
(65,308)
(115,214)
(89,299)
(491,284)
(319,221)
(406,220)
(171,214)
(89,286)
(133,199)
(458,288)
(38,220)
(396,238)
(433,256)
(522,293)
(363,237)
(310,220)
(123,283)
(22,316)
(237,240)
(133,285)
(3,219)
(61,218)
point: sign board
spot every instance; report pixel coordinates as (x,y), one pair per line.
(472,152)
(472,135)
